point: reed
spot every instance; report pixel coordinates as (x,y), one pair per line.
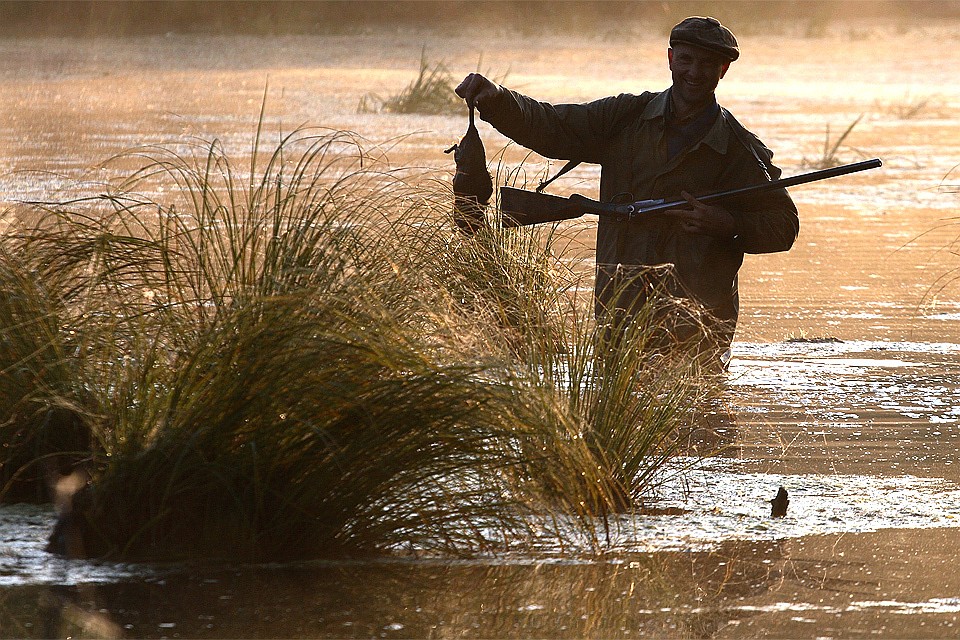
(619,392)
(830,154)
(431,92)
(266,365)
(632,390)
(300,359)
(41,346)
(910,107)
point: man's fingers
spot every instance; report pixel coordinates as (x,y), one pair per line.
(470,88)
(688,216)
(696,204)
(463,89)
(475,89)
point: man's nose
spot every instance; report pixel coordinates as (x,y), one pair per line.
(696,70)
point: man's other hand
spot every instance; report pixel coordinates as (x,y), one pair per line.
(704,218)
(477,90)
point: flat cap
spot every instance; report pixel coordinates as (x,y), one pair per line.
(706,33)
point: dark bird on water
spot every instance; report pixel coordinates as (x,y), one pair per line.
(472,185)
(778,505)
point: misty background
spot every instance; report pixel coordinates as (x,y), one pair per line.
(136,17)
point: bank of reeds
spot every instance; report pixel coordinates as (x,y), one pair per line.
(301,358)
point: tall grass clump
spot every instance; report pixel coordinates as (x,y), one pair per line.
(830,153)
(295,357)
(41,432)
(617,391)
(631,392)
(267,383)
(910,107)
(431,93)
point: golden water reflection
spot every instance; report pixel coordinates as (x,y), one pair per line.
(666,594)
(820,585)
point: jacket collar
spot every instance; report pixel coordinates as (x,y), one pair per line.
(717,138)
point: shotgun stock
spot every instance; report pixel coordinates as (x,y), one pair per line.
(521,208)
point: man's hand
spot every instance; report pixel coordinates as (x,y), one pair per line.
(704,218)
(477,90)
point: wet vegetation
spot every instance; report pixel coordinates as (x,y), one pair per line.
(830,155)
(224,403)
(301,357)
(431,92)
(911,107)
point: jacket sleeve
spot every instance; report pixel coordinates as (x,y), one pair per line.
(561,131)
(771,227)
(766,222)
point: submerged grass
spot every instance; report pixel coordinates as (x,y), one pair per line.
(303,359)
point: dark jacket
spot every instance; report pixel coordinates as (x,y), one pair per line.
(625,135)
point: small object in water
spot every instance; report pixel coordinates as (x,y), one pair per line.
(72,495)
(472,185)
(778,505)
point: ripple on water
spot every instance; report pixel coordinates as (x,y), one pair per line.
(23,535)
(723,502)
(720,503)
(719,499)
(918,381)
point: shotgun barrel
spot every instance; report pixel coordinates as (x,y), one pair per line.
(521,207)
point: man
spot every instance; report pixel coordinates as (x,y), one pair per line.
(668,145)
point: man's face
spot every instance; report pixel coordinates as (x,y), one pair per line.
(696,72)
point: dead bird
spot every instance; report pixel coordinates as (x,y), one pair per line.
(472,185)
(778,505)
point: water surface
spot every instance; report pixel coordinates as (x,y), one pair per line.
(843,389)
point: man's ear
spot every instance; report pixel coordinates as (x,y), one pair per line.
(670,57)
(723,69)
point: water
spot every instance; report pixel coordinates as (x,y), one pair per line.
(843,388)
(864,445)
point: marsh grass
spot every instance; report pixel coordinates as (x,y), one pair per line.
(830,153)
(266,360)
(949,184)
(911,107)
(620,403)
(431,92)
(635,391)
(299,357)
(948,279)
(41,346)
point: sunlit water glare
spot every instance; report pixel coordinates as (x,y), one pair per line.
(830,385)
(862,433)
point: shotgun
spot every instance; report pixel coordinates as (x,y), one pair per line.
(521,207)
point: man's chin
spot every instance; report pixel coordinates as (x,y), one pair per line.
(698,97)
